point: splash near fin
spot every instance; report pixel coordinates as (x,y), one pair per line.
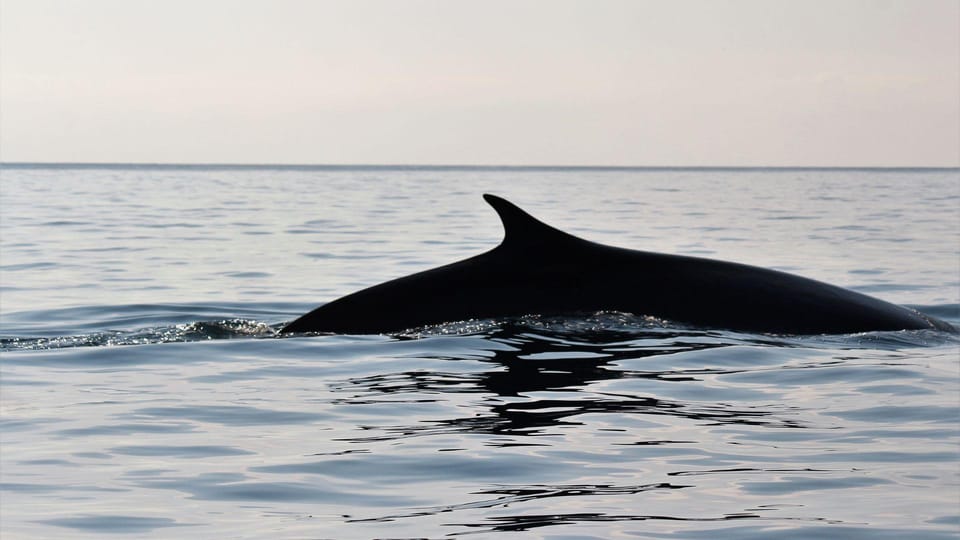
(521,230)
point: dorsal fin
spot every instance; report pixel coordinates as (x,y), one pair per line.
(522,230)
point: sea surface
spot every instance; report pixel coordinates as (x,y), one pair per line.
(145,393)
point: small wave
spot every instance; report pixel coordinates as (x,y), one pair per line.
(888,340)
(608,326)
(603,321)
(174,324)
(195,331)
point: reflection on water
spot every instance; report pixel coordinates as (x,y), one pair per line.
(564,365)
(596,422)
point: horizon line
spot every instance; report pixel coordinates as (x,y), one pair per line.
(145,164)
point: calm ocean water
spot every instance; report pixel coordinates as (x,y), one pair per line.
(144,393)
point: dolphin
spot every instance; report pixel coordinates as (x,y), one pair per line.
(538,269)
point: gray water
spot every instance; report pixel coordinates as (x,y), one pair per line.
(145,394)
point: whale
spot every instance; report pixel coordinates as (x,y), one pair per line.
(540,270)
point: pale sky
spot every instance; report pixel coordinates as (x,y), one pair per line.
(515,82)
